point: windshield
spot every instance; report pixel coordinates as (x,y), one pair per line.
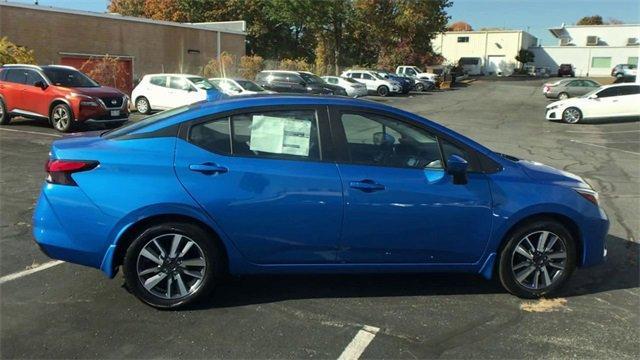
(202,83)
(133,126)
(310,78)
(68,77)
(250,85)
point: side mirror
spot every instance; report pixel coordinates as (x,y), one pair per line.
(593,97)
(41,84)
(457,166)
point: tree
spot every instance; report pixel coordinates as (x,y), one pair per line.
(459,26)
(591,20)
(524,56)
(127,7)
(11,53)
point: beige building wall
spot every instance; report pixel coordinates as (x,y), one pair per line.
(154,47)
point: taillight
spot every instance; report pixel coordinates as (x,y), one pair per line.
(589,195)
(546,89)
(59,171)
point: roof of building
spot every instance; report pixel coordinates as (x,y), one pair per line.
(560,31)
(230,27)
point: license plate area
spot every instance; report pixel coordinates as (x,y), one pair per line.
(115,113)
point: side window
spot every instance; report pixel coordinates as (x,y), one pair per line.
(367,76)
(332,80)
(289,135)
(629,90)
(612,91)
(159,81)
(356,76)
(213,136)
(575,83)
(410,72)
(449,149)
(16,76)
(179,83)
(377,140)
(32,77)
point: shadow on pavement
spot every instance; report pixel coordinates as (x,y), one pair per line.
(620,271)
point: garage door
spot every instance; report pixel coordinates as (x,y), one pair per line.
(114,72)
(496,65)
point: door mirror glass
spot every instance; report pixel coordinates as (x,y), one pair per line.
(457,166)
(593,96)
(41,84)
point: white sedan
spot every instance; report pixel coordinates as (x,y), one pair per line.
(618,100)
(353,88)
(238,86)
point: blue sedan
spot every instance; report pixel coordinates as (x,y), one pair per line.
(306,184)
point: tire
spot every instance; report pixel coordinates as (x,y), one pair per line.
(61,118)
(142,105)
(563,96)
(419,87)
(518,274)
(619,76)
(572,115)
(383,90)
(197,278)
(5,118)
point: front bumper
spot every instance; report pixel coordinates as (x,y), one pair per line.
(106,121)
(594,239)
(553,114)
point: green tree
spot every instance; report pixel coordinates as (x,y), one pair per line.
(591,20)
(11,53)
(524,56)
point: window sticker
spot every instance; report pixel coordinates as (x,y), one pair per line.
(280,135)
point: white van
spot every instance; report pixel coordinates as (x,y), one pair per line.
(471,65)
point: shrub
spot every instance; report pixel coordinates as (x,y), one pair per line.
(250,66)
(225,66)
(11,53)
(295,65)
(106,70)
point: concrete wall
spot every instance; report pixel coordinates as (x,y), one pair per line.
(581,57)
(485,45)
(153,47)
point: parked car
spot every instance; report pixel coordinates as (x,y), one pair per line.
(374,82)
(238,86)
(168,91)
(414,71)
(619,100)
(624,70)
(471,65)
(305,184)
(353,88)
(566,88)
(297,82)
(566,70)
(60,94)
(406,83)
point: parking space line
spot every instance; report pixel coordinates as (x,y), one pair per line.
(359,343)
(20,274)
(603,132)
(31,132)
(605,147)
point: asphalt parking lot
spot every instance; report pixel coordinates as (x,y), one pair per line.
(69,311)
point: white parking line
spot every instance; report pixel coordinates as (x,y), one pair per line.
(603,132)
(359,343)
(605,147)
(20,274)
(31,132)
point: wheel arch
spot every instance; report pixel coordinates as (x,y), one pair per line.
(129,234)
(57,101)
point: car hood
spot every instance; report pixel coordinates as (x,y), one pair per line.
(564,103)
(97,91)
(542,172)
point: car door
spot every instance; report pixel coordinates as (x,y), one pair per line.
(400,204)
(157,92)
(629,100)
(15,83)
(271,189)
(35,98)
(369,81)
(606,104)
(181,92)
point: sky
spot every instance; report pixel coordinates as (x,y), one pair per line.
(534,16)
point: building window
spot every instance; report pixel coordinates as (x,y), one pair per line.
(601,62)
(633,60)
(463,39)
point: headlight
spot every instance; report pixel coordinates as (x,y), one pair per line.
(553,107)
(88,103)
(76,95)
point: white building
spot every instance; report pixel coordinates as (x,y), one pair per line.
(495,49)
(592,49)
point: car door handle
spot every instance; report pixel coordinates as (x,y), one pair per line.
(366,185)
(208,168)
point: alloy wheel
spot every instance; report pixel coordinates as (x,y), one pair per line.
(571,115)
(539,259)
(61,118)
(171,266)
(142,106)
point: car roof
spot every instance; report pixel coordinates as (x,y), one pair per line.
(38,67)
(620,84)
(177,75)
(283,71)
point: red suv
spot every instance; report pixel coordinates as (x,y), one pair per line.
(61,94)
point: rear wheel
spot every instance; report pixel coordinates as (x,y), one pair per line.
(538,259)
(383,90)
(5,118)
(61,118)
(420,87)
(563,96)
(172,265)
(142,105)
(572,115)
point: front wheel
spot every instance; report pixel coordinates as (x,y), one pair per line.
(61,118)
(538,259)
(171,265)
(5,118)
(572,115)
(383,90)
